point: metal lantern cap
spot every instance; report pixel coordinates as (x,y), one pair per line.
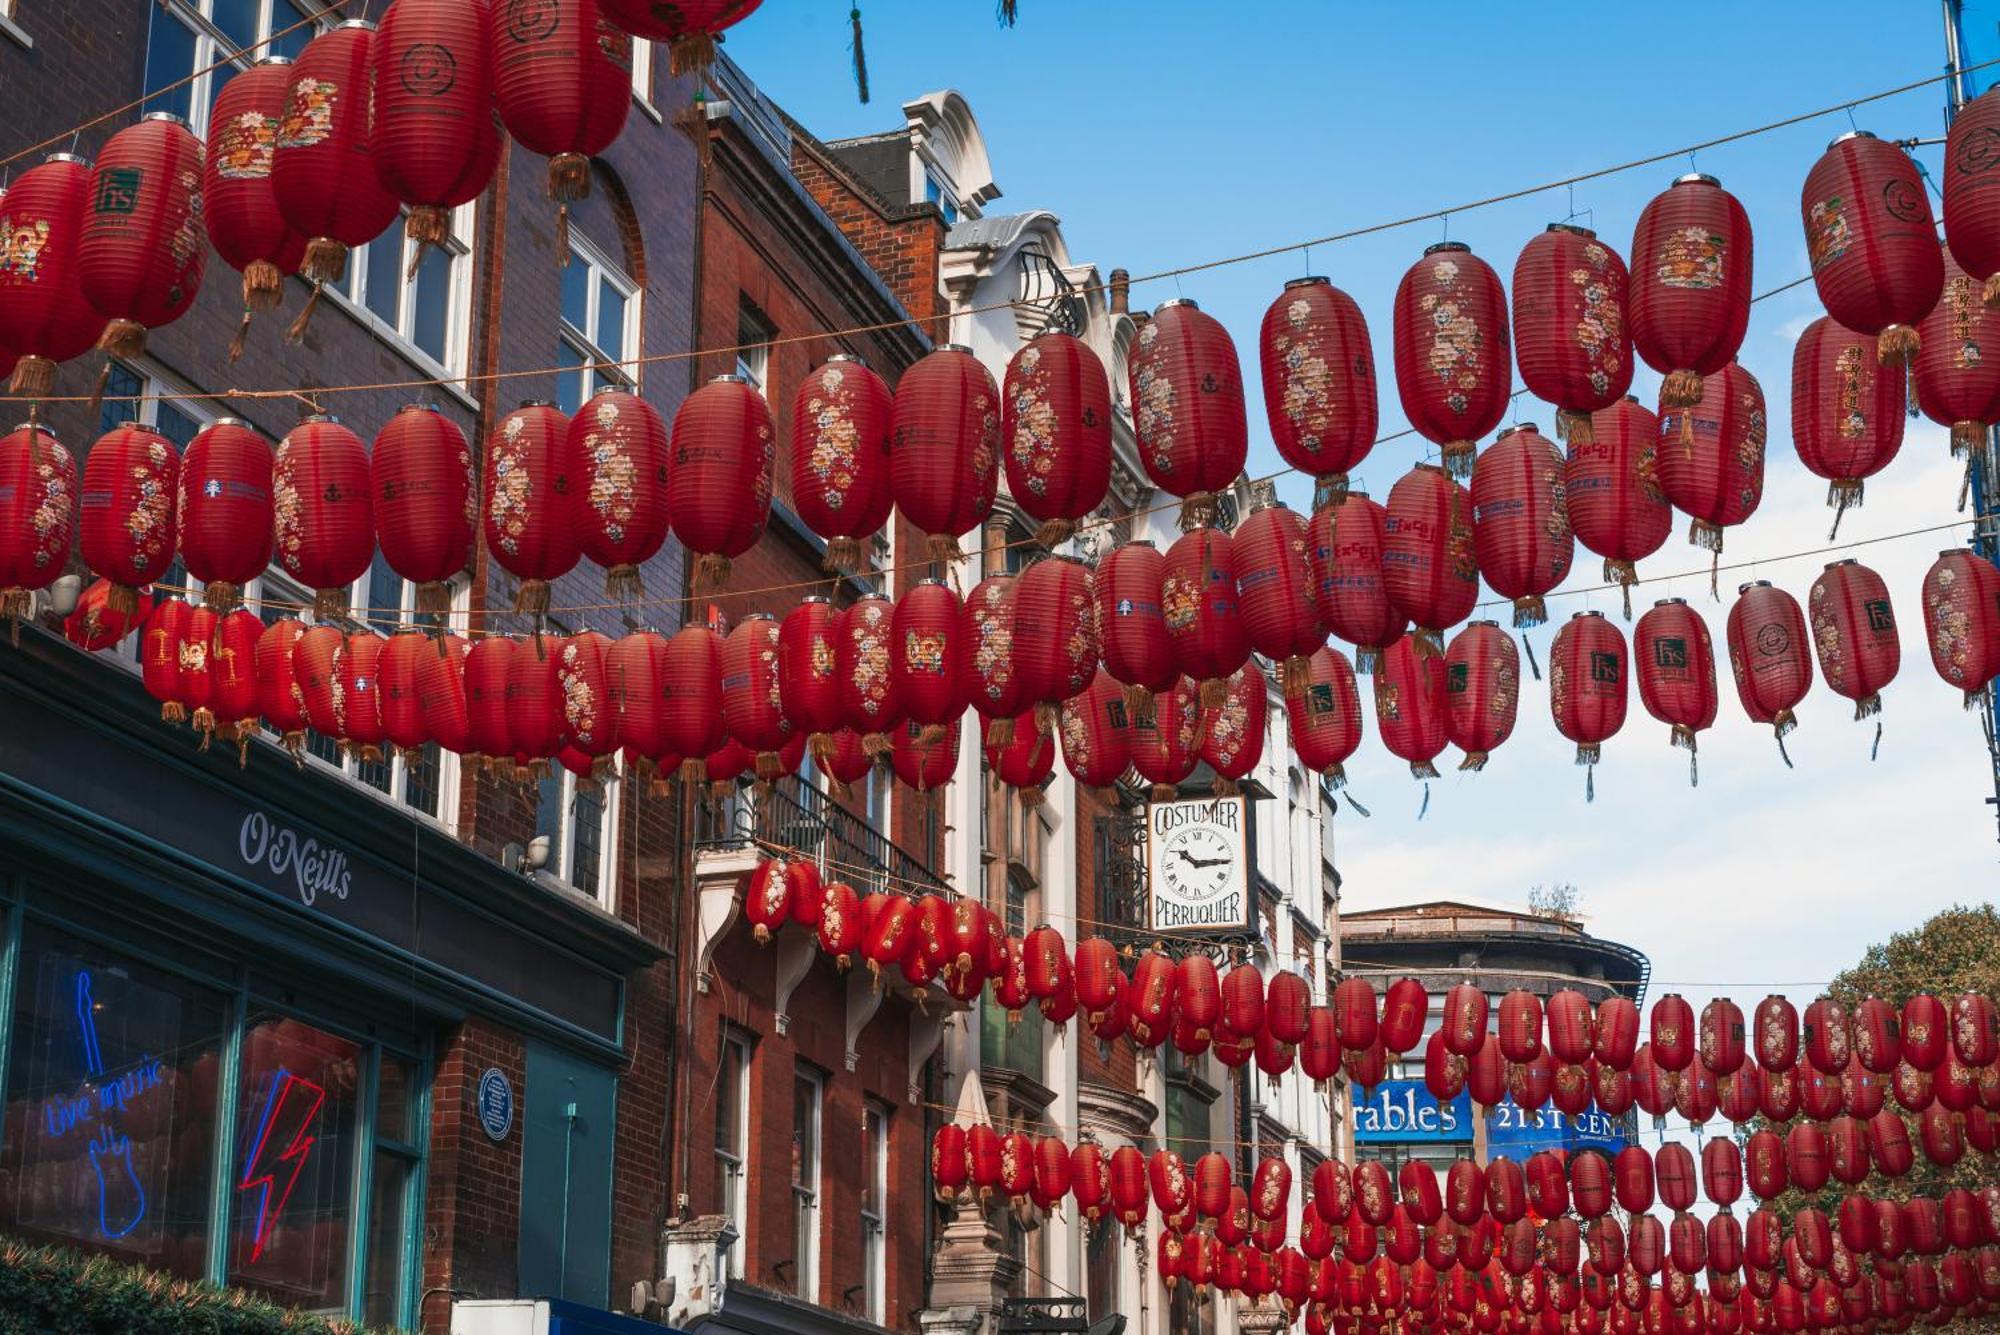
(922,582)
(526,404)
(275,60)
(1753,584)
(355,23)
(36,426)
(319,417)
(954,347)
(1188,302)
(1494,624)
(1518,426)
(1844,561)
(613,388)
(1313,281)
(1578,616)
(230,421)
(1851,134)
(421,408)
(170,116)
(1956,551)
(846,357)
(815,598)
(1697,178)
(1573,229)
(728,380)
(1448,248)
(757,616)
(77,158)
(1670,602)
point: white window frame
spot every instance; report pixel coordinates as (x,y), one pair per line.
(753,355)
(603,366)
(733,1166)
(211,44)
(351,295)
(808,1198)
(642,76)
(874,1224)
(561,870)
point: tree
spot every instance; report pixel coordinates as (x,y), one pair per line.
(1554,901)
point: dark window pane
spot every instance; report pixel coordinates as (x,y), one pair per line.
(177,425)
(285,14)
(238,20)
(381,1305)
(549,817)
(385,595)
(326,748)
(569,383)
(119,405)
(610,320)
(576,296)
(385,274)
(420,781)
(293,1182)
(586,868)
(398,1101)
(374,773)
(217,81)
(430,305)
(109,1128)
(169,58)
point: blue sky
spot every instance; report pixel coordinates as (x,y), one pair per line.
(1176,133)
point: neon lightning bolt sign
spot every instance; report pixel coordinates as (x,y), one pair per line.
(291,1110)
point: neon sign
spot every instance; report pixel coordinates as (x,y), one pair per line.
(96,1106)
(291,1111)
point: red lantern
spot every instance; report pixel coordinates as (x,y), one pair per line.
(1429,567)
(1956,386)
(1974,1039)
(1232,733)
(1323,714)
(1319,1054)
(1344,547)
(1827,1036)
(862,664)
(693,722)
(1096,733)
(691,28)
(1166,738)
(436,143)
(926,649)
(533,505)
(808,689)
(1404,1010)
(949,1173)
(1486,1075)
(1151,997)
(441,695)
(1089,1180)
(1482,690)
(165,640)
(323,169)
(1961,595)
(1056,427)
(1721,1171)
(360,683)
(752,694)
(1612,482)
(535,709)
(1052,1173)
(1673,1032)
(1464,1021)
(279,697)
(1187,407)
(1587,674)
(1243,1000)
(1847,413)
(37,515)
(1128,1186)
(1854,633)
(1411,709)
(1319,380)
(1132,628)
(489,669)
(1720,1036)
(1055,637)
(1971,220)
(1024,762)
(325,520)
(130,478)
(144,244)
(992,686)
(1570,335)
(840,457)
(719,486)
(1677,671)
(424,506)
(1279,616)
(923,760)
(1711,454)
(1454,370)
(1287,999)
(1691,282)
(402,711)
(590,719)
(617,460)
(42,305)
(1872,240)
(239,202)
(1520,520)
(1617,1036)
(1520,1027)
(1203,614)
(945,447)
(562,78)
(1767,655)
(840,926)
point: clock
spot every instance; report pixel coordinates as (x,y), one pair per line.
(1196,857)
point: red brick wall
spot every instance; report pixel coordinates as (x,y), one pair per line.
(901,244)
(472,1196)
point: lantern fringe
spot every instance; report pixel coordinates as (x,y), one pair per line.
(1783,754)
(1459,456)
(532,598)
(1681,389)
(694,771)
(1528,647)
(14,605)
(1532,610)
(325,261)
(1425,809)
(1683,735)
(1197,510)
(1163,792)
(1574,427)
(1045,719)
(1897,345)
(843,556)
(1359,809)
(1694,769)
(1965,436)
(263,287)
(33,378)
(173,711)
(204,723)
(433,598)
(1843,494)
(876,744)
(860,55)
(1427,642)
(1214,693)
(1329,490)
(1009,11)
(1423,769)
(1295,676)
(1589,753)
(294,744)
(692,52)
(943,548)
(712,569)
(221,597)
(1868,706)
(122,600)
(297,332)
(1335,776)
(769,766)
(1875,749)
(429,227)
(1138,700)
(1705,535)
(1225,787)
(1000,732)
(123,338)
(1590,784)
(1475,761)
(927,736)
(1365,659)
(820,747)
(1624,574)
(242,339)
(1032,796)
(329,604)
(1053,533)
(624,583)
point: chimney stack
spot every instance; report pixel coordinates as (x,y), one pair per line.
(1121,292)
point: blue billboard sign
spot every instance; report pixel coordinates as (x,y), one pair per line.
(1403,1111)
(1518,1134)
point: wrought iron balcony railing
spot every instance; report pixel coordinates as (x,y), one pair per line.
(802,819)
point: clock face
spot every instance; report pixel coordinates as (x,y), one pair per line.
(1198,862)
(1199,874)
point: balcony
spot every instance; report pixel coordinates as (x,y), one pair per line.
(802,821)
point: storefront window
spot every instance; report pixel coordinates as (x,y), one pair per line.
(111,1106)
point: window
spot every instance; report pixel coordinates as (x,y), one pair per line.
(935,192)
(642,74)
(579,816)
(732,1138)
(125,400)
(427,311)
(397,1212)
(189,35)
(874,1196)
(600,327)
(1100,1269)
(807,1089)
(753,346)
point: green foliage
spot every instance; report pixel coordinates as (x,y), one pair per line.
(54,1292)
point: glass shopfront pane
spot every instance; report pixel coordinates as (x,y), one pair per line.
(111,1104)
(386,1225)
(398,1101)
(293,1185)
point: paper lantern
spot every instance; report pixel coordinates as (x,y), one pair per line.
(325,527)
(926,649)
(1232,732)
(1570,334)
(323,167)
(1150,998)
(1711,454)
(992,684)
(42,306)
(1956,385)
(1872,240)
(861,662)
(1319,1052)
(1454,369)
(1617,507)
(1323,715)
(1187,407)
(691,28)
(435,139)
(807,679)
(1971,204)
(441,694)
(1096,731)
(1464,1019)
(144,245)
(1166,738)
(1025,761)
(1973,1035)
(1344,553)
(1203,614)
(403,722)
(1319,381)
(1132,628)
(1676,669)
(1405,1008)
(840,431)
(421,470)
(1055,425)
(1520,520)
(1854,633)
(752,691)
(489,669)
(37,516)
(1828,1036)
(1089,1181)
(1412,713)
(1055,638)
(1767,655)
(1482,687)
(1961,600)
(1691,282)
(616,459)
(1520,1027)
(944,457)
(1720,1036)
(280,700)
(692,721)
(590,717)
(719,485)
(165,637)
(562,80)
(1587,683)
(1847,412)
(1280,619)
(130,478)
(1429,566)
(533,505)
(1287,999)
(360,683)
(240,204)
(921,758)
(949,1173)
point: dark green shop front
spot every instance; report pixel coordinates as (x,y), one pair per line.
(223,995)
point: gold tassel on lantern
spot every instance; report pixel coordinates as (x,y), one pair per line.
(1475,761)
(1530,611)
(624,584)
(33,378)
(843,556)
(1897,345)
(1198,510)
(430,228)
(1574,427)
(1000,733)
(1458,456)
(943,548)
(532,598)
(1053,533)
(693,52)
(14,605)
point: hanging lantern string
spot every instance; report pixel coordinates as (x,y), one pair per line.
(328,8)
(627,364)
